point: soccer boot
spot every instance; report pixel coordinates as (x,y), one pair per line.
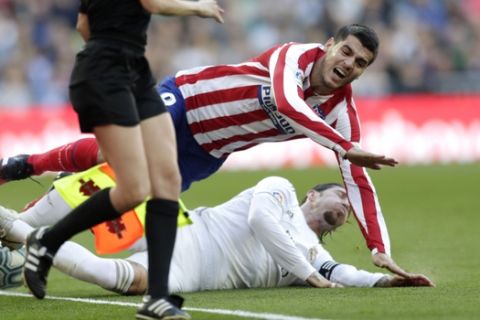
(38,262)
(164,309)
(15,168)
(7,217)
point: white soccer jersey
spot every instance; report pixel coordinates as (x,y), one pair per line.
(257,239)
(269,99)
(249,241)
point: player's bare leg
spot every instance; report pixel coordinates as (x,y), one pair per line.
(125,149)
(161,218)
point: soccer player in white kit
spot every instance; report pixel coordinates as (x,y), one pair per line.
(263,237)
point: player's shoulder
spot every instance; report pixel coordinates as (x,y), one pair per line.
(300,48)
(274,182)
(278,187)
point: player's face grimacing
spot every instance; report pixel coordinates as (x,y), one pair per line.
(328,209)
(344,62)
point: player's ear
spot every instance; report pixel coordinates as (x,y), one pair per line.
(330,42)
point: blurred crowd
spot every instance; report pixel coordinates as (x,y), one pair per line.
(426,45)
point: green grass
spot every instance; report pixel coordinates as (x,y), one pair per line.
(433,214)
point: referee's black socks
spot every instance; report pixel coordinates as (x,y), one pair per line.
(161,230)
(96,209)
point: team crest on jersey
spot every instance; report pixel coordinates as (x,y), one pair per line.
(312,254)
(278,196)
(265,98)
(317,109)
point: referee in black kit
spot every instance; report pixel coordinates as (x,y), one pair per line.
(112,91)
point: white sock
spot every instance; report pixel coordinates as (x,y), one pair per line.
(111,274)
(125,275)
(47,211)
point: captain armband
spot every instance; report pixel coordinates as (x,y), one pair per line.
(327,268)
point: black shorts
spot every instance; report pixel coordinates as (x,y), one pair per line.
(112,83)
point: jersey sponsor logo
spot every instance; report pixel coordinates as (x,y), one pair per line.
(266,102)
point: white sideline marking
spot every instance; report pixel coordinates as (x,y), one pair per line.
(238,313)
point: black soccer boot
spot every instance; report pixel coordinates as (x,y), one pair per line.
(15,168)
(38,261)
(164,309)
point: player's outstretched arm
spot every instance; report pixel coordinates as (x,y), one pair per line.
(367,159)
(382,260)
(201,8)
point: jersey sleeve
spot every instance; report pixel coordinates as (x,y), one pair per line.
(345,274)
(287,72)
(287,68)
(360,189)
(269,203)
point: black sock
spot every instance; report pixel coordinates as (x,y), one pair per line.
(160,229)
(98,208)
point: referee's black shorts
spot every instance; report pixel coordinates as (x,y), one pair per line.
(112,83)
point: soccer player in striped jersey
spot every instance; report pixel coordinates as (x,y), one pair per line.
(262,237)
(291,91)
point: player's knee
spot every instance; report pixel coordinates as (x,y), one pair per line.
(128,197)
(174,179)
(167,185)
(137,195)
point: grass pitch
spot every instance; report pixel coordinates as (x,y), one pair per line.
(433,215)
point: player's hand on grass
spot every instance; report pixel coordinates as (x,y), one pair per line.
(367,159)
(383,260)
(415,280)
(419,280)
(210,9)
(318,281)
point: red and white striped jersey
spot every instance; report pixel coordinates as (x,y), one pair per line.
(269,99)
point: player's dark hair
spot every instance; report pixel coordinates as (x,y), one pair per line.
(366,35)
(322,187)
